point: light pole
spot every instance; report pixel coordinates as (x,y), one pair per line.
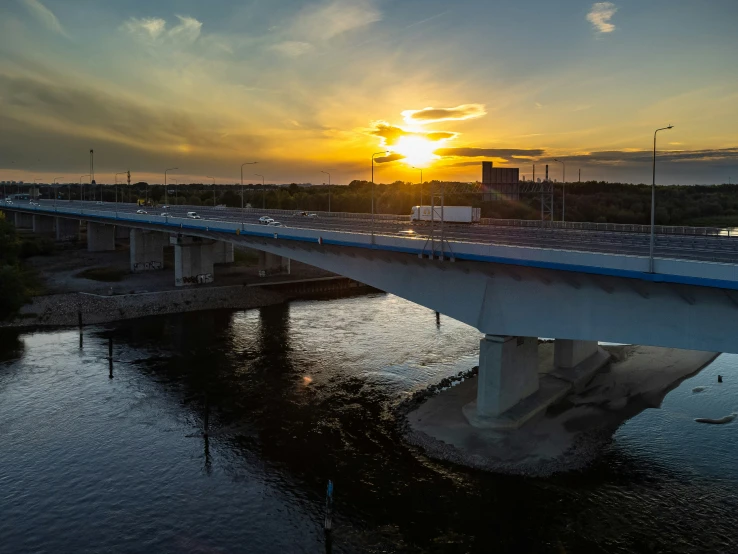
(263,192)
(176,186)
(213,178)
(421,186)
(329,189)
(563,192)
(243,213)
(166,197)
(55,194)
(81,194)
(116,186)
(385,153)
(653,199)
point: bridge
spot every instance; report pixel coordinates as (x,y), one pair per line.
(513,281)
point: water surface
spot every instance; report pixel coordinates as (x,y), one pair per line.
(301,393)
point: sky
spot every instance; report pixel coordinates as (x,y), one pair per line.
(303,87)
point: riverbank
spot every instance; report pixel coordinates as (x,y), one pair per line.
(570,434)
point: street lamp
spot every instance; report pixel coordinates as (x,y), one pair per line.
(263,192)
(213,178)
(116,185)
(329,189)
(385,153)
(166,197)
(653,199)
(55,194)
(563,192)
(421,184)
(242,194)
(82,191)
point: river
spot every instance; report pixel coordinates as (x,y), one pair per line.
(301,393)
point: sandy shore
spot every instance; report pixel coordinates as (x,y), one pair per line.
(570,433)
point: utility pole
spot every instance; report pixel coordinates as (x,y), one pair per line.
(653,199)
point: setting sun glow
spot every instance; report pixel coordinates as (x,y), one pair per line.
(418,151)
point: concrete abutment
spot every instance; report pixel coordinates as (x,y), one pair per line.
(147,250)
(44,224)
(273,264)
(100,237)
(223,252)
(193,261)
(23,220)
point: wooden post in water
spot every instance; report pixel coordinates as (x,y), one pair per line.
(328,523)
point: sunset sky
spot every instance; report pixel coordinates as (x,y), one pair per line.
(305,86)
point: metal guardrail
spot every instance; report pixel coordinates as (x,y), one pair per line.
(613,227)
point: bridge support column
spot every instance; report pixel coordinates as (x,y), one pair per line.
(193,261)
(508,373)
(223,252)
(23,220)
(100,237)
(570,353)
(273,264)
(147,250)
(122,232)
(67,229)
(43,224)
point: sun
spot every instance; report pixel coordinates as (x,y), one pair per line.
(418,151)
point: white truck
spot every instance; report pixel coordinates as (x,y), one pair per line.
(451,214)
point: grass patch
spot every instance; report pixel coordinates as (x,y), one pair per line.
(243,258)
(106,274)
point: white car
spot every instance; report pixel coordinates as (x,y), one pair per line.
(165,207)
(311,215)
(275,224)
(408,233)
(164,214)
(142,212)
(193,215)
(265,219)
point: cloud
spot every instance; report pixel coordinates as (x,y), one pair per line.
(45,16)
(188,29)
(600,15)
(292,48)
(435,115)
(155,29)
(391,158)
(391,134)
(616,157)
(488,152)
(333,18)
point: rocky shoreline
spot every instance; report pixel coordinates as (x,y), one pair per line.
(62,310)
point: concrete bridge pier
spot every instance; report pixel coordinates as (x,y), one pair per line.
(273,264)
(514,384)
(67,229)
(122,232)
(44,224)
(23,220)
(193,260)
(100,237)
(147,250)
(223,252)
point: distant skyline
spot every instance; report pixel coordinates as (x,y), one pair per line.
(305,86)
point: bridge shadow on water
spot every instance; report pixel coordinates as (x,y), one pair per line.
(304,417)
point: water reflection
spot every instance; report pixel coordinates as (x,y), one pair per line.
(220,431)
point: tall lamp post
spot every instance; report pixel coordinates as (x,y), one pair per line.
(653,199)
(116,186)
(563,191)
(166,196)
(82,191)
(213,178)
(263,192)
(329,189)
(385,153)
(54,187)
(421,185)
(243,212)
